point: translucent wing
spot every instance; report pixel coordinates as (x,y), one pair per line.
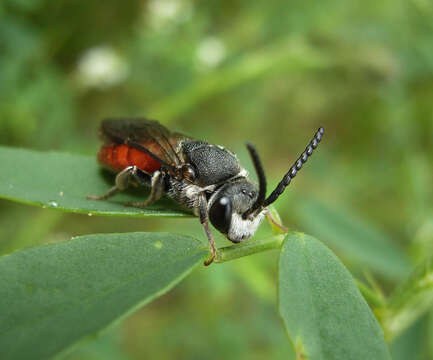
(146,135)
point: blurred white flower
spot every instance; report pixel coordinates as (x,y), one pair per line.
(101,67)
(164,9)
(161,12)
(211,52)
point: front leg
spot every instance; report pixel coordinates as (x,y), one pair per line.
(204,220)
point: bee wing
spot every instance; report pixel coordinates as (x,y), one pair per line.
(146,135)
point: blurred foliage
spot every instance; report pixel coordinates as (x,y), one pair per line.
(227,72)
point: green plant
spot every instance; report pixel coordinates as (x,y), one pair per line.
(54,296)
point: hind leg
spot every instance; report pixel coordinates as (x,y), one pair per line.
(123,180)
(157,189)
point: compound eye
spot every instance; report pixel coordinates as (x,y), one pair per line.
(220,214)
(188,173)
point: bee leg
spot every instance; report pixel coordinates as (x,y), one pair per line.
(122,181)
(157,189)
(113,191)
(204,220)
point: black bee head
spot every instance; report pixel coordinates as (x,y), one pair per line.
(238,207)
(228,206)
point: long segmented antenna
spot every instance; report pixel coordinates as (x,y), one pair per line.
(262,181)
(295,168)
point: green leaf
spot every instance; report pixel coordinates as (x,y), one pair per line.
(412,299)
(357,240)
(62,181)
(54,296)
(323,311)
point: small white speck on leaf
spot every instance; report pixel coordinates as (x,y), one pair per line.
(158,244)
(52,204)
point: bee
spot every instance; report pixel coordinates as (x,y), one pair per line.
(205,178)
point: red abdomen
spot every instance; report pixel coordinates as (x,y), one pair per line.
(119,156)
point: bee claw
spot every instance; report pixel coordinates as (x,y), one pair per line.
(211,259)
(106,196)
(94,197)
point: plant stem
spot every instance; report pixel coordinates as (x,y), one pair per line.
(369,295)
(252,247)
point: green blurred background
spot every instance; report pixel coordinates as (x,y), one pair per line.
(269,72)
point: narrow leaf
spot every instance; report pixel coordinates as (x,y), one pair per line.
(412,299)
(324,313)
(62,181)
(286,55)
(54,296)
(356,239)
